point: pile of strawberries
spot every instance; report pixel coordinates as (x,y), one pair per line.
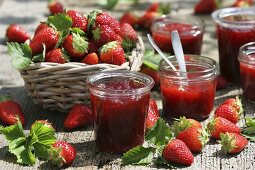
(71,36)
(191,136)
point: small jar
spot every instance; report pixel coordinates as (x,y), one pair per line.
(191,95)
(235,27)
(120,101)
(247,69)
(189,28)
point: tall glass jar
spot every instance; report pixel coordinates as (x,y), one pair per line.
(189,28)
(191,94)
(120,101)
(235,27)
(247,70)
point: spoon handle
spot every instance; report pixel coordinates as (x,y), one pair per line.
(160,52)
(178,51)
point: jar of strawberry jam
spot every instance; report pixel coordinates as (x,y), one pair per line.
(120,101)
(247,70)
(235,27)
(189,28)
(192,93)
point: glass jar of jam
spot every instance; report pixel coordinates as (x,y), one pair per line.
(235,27)
(247,70)
(192,93)
(190,30)
(120,101)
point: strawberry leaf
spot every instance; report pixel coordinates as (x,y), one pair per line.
(151,59)
(60,22)
(138,156)
(249,130)
(79,43)
(92,17)
(40,57)
(21,55)
(160,134)
(78,31)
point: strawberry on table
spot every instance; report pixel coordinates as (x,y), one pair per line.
(228,112)
(234,102)
(112,53)
(153,114)
(91,58)
(232,142)
(103,34)
(56,56)
(131,18)
(78,19)
(76,46)
(16,33)
(220,125)
(176,151)
(62,154)
(79,116)
(206,6)
(55,7)
(47,36)
(10,111)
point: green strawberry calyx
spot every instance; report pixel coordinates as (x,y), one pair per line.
(108,46)
(204,137)
(227,142)
(55,156)
(180,125)
(5,98)
(96,34)
(79,43)
(240,105)
(211,125)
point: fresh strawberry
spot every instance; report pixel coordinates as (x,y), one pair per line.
(91,59)
(55,7)
(205,6)
(104,34)
(112,53)
(92,48)
(182,124)
(147,18)
(79,116)
(47,36)
(62,154)
(131,18)
(99,18)
(78,19)
(176,151)
(16,33)
(10,111)
(220,125)
(232,142)
(221,83)
(195,138)
(236,103)
(161,8)
(228,112)
(56,56)
(76,46)
(128,32)
(243,3)
(153,114)
(152,73)
(41,26)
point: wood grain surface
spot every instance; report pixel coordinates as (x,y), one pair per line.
(29,13)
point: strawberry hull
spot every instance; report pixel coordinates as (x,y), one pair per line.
(120,107)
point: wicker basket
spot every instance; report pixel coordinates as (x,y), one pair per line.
(58,86)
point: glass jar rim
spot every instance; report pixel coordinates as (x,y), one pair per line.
(196,23)
(147,80)
(245,51)
(209,73)
(218,16)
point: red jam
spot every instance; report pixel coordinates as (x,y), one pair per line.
(191,37)
(119,120)
(192,101)
(248,78)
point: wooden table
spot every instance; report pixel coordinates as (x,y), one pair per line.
(28,13)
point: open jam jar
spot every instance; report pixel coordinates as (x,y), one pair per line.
(120,101)
(247,69)
(235,27)
(191,95)
(190,31)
